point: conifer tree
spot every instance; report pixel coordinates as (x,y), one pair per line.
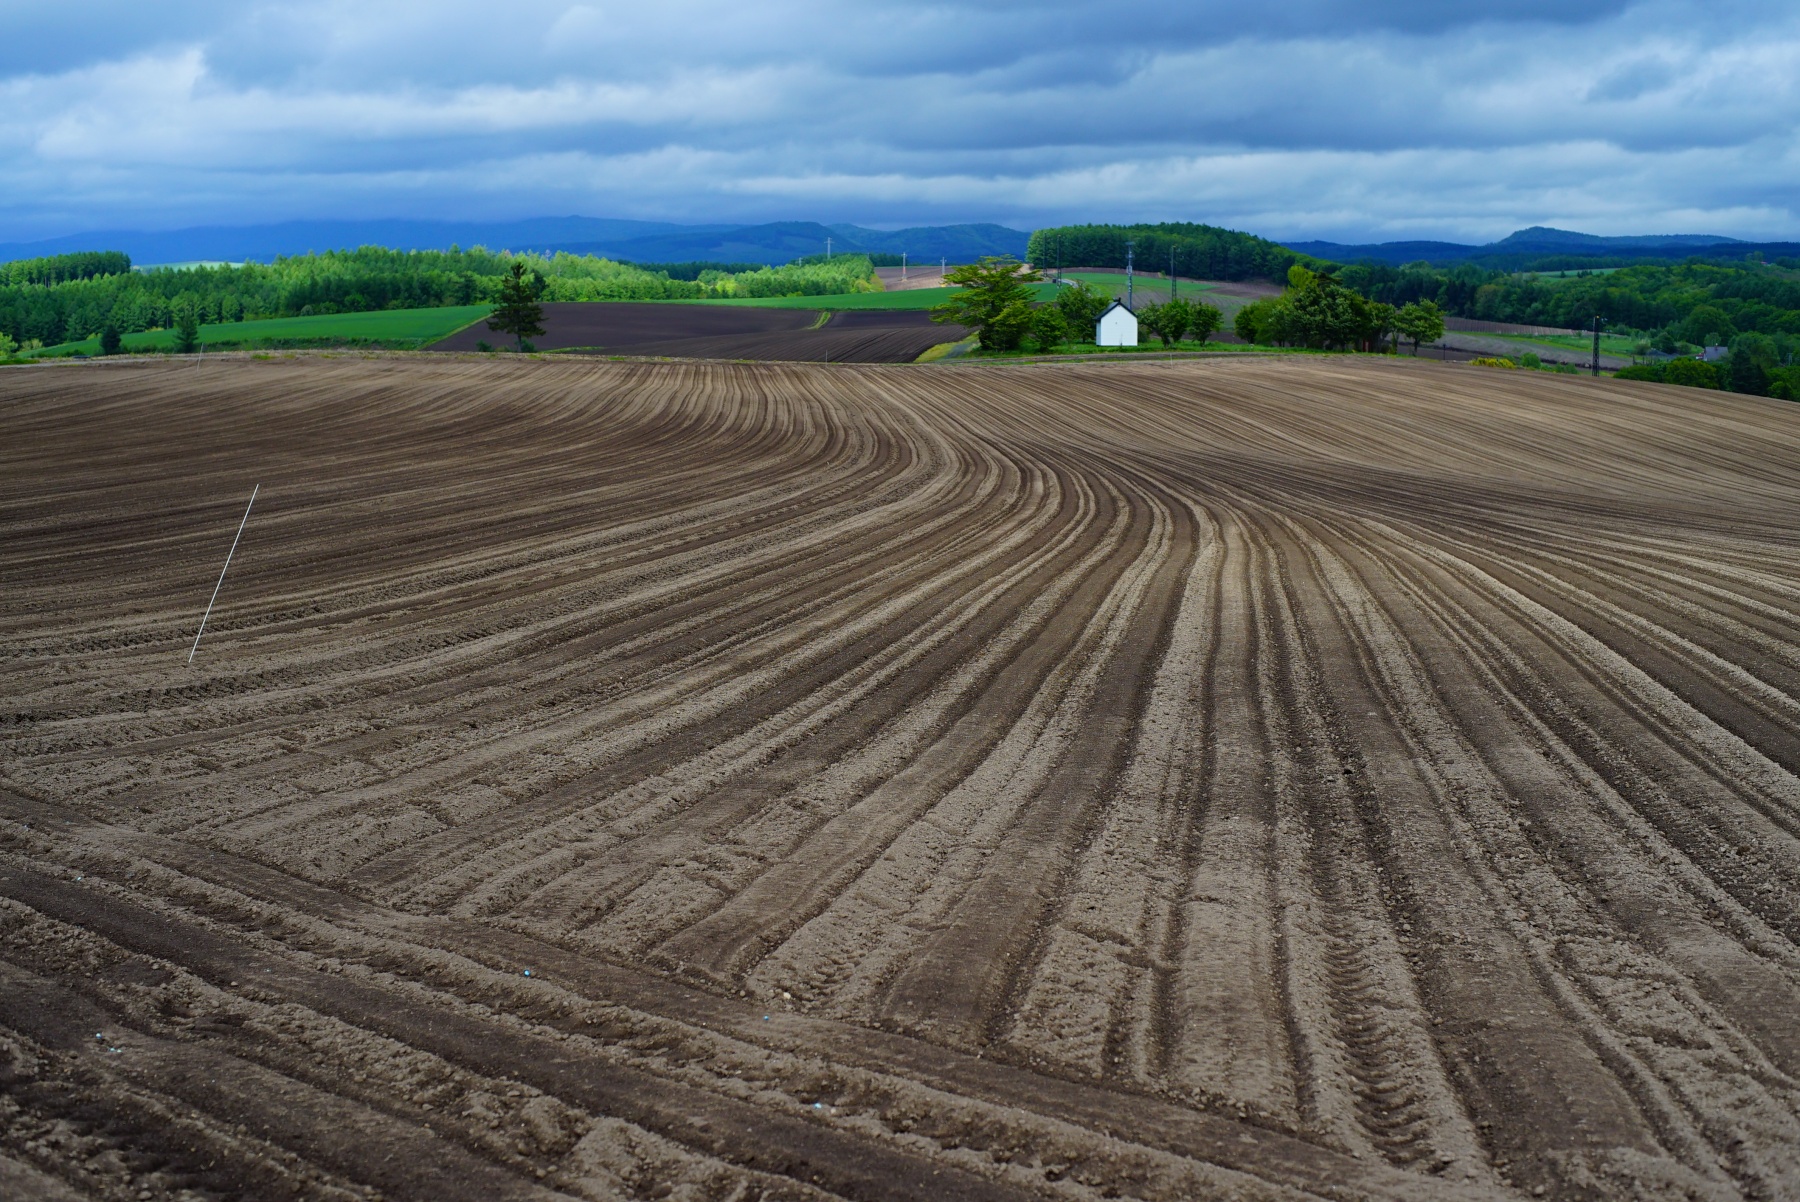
(518,312)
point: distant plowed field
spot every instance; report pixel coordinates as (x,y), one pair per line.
(680,331)
(1269,779)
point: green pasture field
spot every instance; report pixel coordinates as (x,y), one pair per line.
(1573,273)
(1152,291)
(1149,290)
(1150,287)
(395,328)
(912,298)
(1610,344)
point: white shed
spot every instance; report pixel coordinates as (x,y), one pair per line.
(1117,326)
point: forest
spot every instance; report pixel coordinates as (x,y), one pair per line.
(1696,302)
(1199,251)
(70,297)
(1751,307)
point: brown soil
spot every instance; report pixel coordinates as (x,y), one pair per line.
(1265,779)
(726,332)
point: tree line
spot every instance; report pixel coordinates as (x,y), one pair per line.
(1200,251)
(59,269)
(1752,309)
(53,310)
(1696,303)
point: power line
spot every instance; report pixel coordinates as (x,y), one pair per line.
(222,571)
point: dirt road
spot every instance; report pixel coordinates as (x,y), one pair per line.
(1273,779)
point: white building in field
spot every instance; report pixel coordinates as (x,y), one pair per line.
(1116,327)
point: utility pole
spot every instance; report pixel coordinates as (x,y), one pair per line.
(1596,344)
(1128,248)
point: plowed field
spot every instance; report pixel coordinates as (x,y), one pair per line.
(678,331)
(1262,779)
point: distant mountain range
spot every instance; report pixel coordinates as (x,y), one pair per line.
(638,241)
(782,241)
(1542,242)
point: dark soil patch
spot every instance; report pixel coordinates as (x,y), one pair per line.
(726,332)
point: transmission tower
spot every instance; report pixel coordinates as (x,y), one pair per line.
(1128,248)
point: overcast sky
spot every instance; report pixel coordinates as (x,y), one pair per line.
(1379,119)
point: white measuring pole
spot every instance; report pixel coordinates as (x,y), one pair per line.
(222,571)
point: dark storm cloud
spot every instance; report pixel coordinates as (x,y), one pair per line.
(1402,117)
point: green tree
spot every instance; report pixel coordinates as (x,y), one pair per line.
(1691,373)
(109,339)
(1271,321)
(1419,322)
(517,311)
(1081,307)
(1707,325)
(1205,321)
(1168,322)
(187,324)
(1048,329)
(1381,325)
(1325,314)
(1750,367)
(993,299)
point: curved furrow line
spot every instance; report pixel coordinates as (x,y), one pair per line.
(889,853)
(801,735)
(962,981)
(407,585)
(1511,1034)
(397,467)
(1373,1079)
(1623,935)
(782,799)
(1720,799)
(640,611)
(1219,1038)
(577,1079)
(1012,646)
(1740,630)
(1555,916)
(1652,887)
(1252,777)
(1010,1115)
(1097,998)
(1636,622)
(862,652)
